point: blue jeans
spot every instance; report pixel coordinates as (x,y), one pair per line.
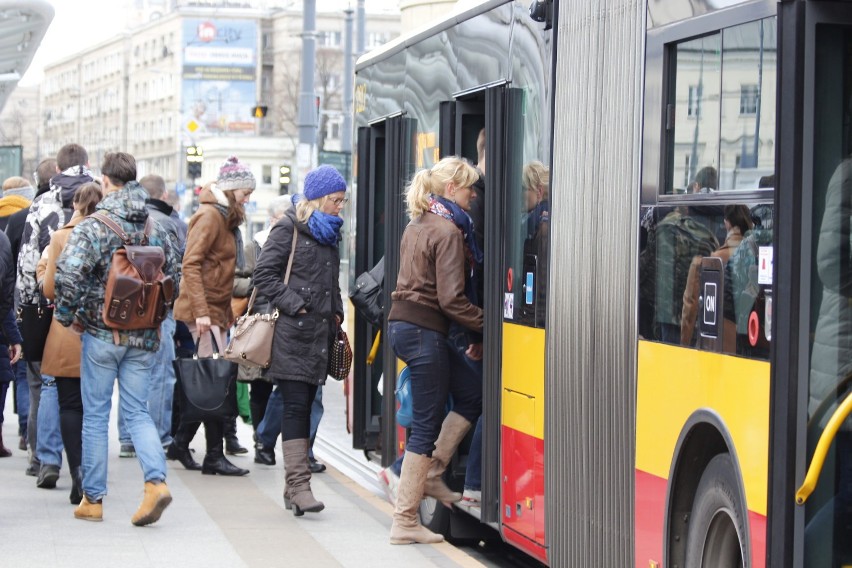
(101,363)
(426,352)
(162,388)
(22,396)
(49,440)
(473,475)
(270,427)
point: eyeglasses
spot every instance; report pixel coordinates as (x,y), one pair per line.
(340,200)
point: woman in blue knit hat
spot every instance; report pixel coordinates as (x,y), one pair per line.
(310,311)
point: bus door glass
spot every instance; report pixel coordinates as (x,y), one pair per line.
(828,511)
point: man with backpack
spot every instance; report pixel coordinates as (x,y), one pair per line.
(84,282)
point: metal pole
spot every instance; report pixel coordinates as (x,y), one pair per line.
(307,111)
(346,135)
(361,46)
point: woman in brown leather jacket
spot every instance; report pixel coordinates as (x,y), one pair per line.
(437,254)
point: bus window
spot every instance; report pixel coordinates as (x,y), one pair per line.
(721,111)
(677,305)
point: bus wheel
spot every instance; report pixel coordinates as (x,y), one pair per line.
(717,525)
(435,516)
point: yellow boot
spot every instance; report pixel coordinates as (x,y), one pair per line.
(89,510)
(453,431)
(406,528)
(155,501)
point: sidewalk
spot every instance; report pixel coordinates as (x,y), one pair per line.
(213,521)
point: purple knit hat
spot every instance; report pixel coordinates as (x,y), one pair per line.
(323,181)
(234,175)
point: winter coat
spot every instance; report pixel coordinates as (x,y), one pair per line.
(430,286)
(9,205)
(300,345)
(7,277)
(48,212)
(831,357)
(209,262)
(83,266)
(11,336)
(63,347)
(160,211)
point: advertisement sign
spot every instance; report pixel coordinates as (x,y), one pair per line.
(219,72)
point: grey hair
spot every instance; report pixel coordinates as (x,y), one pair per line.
(278,205)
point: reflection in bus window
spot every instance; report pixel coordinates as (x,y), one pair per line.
(722,108)
(675,240)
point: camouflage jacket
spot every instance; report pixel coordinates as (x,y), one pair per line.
(83,266)
(48,212)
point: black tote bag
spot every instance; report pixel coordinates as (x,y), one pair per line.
(208,386)
(35,323)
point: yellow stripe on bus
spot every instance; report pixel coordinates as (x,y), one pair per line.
(674,382)
(523,379)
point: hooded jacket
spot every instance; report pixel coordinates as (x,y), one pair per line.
(83,266)
(47,213)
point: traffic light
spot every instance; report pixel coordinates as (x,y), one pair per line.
(194,159)
(284,180)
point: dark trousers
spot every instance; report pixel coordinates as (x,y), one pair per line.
(71,418)
(298,398)
(259,392)
(426,352)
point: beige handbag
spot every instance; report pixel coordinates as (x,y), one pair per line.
(251,343)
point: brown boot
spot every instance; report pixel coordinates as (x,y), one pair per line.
(155,501)
(406,528)
(298,478)
(89,510)
(4,452)
(452,433)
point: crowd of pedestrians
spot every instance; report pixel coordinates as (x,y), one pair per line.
(55,257)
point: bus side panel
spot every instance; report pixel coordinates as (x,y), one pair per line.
(650,518)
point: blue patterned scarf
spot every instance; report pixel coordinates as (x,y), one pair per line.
(324,228)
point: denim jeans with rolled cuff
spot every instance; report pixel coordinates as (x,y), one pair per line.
(49,437)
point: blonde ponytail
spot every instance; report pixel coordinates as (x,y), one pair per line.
(434,180)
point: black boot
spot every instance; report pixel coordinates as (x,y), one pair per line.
(265,456)
(76,485)
(179,448)
(232,443)
(215,461)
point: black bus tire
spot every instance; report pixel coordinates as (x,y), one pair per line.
(717,526)
(435,516)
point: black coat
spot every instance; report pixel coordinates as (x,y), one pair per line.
(300,346)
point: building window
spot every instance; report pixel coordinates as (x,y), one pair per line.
(748,99)
(267,173)
(693,105)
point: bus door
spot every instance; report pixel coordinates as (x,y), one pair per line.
(385,163)
(811,453)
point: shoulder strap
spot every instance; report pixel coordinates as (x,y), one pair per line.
(115,227)
(292,253)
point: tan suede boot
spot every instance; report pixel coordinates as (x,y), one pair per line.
(89,511)
(298,478)
(453,431)
(406,528)
(157,498)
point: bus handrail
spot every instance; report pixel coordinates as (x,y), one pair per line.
(826,438)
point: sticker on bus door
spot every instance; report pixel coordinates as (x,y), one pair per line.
(508,305)
(764,266)
(528,289)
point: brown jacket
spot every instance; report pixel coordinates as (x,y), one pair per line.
(430,286)
(208,266)
(62,348)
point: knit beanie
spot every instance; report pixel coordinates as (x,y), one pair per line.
(234,175)
(323,181)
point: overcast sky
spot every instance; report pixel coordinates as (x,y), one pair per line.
(79,24)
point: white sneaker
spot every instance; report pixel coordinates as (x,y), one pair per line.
(390,484)
(471,497)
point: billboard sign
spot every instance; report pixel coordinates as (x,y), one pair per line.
(219,72)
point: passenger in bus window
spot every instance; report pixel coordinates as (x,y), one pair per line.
(437,254)
(664,267)
(737,223)
(536,227)
(743,293)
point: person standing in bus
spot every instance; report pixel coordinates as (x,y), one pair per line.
(437,250)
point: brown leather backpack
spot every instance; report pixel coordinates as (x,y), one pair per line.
(137,294)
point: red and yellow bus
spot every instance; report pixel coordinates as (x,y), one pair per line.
(668,330)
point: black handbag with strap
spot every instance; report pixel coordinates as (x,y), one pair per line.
(367,294)
(208,386)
